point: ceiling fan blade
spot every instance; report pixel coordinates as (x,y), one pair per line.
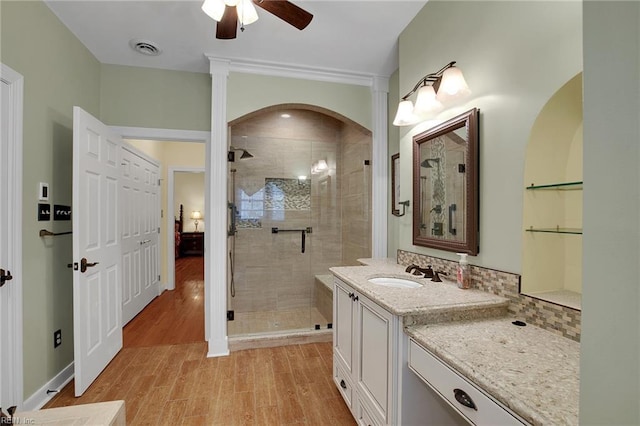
(286,11)
(228,26)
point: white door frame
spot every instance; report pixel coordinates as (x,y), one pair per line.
(171,213)
(11,350)
(172,135)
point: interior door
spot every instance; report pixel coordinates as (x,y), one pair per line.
(97,308)
(10,253)
(139,191)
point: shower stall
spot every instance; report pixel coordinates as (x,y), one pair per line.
(299,203)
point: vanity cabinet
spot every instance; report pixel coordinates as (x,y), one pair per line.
(365,342)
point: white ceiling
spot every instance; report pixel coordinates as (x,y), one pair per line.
(354,36)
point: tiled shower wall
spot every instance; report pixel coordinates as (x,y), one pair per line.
(270,271)
(558,319)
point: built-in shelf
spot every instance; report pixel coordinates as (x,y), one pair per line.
(564,186)
(556,230)
(567,298)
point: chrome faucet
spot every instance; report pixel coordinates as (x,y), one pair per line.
(428,271)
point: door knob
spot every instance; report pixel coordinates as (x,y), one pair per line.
(84,264)
(4,277)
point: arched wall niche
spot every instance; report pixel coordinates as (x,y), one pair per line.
(552,202)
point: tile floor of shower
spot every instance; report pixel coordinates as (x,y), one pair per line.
(267,322)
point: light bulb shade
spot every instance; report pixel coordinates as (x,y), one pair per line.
(196,215)
(405,115)
(214,8)
(426,101)
(247,13)
(322,165)
(452,85)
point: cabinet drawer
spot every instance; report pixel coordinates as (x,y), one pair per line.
(364,416)
(445,381)
(343,382)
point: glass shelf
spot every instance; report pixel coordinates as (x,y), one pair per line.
(564,186)
(556,230)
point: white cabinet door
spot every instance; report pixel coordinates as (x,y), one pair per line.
(343,331)
(375,345)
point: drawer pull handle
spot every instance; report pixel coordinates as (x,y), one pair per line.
(343,385)
(463,398)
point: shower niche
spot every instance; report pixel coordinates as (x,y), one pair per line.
(299,203)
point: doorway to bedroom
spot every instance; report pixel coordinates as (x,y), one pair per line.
(177,315)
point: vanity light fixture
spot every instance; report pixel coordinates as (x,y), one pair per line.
(441,86)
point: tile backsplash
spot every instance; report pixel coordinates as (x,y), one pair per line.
(558,319)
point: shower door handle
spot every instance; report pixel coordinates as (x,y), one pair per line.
(452,209)
(304,233)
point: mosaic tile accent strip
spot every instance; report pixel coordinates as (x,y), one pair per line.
(287,194)
(549,316)
(248,223)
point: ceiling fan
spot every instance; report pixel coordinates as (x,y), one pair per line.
(228,13)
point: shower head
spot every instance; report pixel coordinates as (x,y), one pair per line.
(244,156)
(427,163)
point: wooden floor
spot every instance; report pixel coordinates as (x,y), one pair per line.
(175,316)
(165,379)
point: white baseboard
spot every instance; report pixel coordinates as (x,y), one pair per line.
(40,397)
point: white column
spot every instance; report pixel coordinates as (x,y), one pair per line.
(215,272)
(380,173)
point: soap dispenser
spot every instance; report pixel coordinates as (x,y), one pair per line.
(463,276)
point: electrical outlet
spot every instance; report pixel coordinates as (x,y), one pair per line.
(57,338)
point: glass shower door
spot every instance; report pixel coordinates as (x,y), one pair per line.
(270,236)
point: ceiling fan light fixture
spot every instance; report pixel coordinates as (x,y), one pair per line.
(247,13)
(214,8)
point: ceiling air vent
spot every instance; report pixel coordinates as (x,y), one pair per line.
(145,47)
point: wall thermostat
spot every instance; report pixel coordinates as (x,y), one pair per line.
(43,192)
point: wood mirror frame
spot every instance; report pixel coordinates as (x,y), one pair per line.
(446,185)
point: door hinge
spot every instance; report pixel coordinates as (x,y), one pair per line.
(158,278)
(158,229)
(158,182)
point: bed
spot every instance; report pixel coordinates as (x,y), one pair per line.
(178,232)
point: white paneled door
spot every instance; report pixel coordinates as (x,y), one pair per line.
(139,192)
(10,238)
(97,302)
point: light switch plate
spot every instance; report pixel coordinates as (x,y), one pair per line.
(43,191)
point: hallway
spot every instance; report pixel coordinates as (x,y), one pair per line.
(176,316)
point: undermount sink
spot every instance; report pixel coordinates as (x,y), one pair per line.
(394,282)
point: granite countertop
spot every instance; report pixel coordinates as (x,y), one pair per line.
(533,372)
(110,413)
(530,370)
(433,302)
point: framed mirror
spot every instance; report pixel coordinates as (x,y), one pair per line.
(446,185)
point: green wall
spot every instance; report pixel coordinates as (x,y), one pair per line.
(59,72)
(514,56)
(610,345)
(251,92)
(147,97)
